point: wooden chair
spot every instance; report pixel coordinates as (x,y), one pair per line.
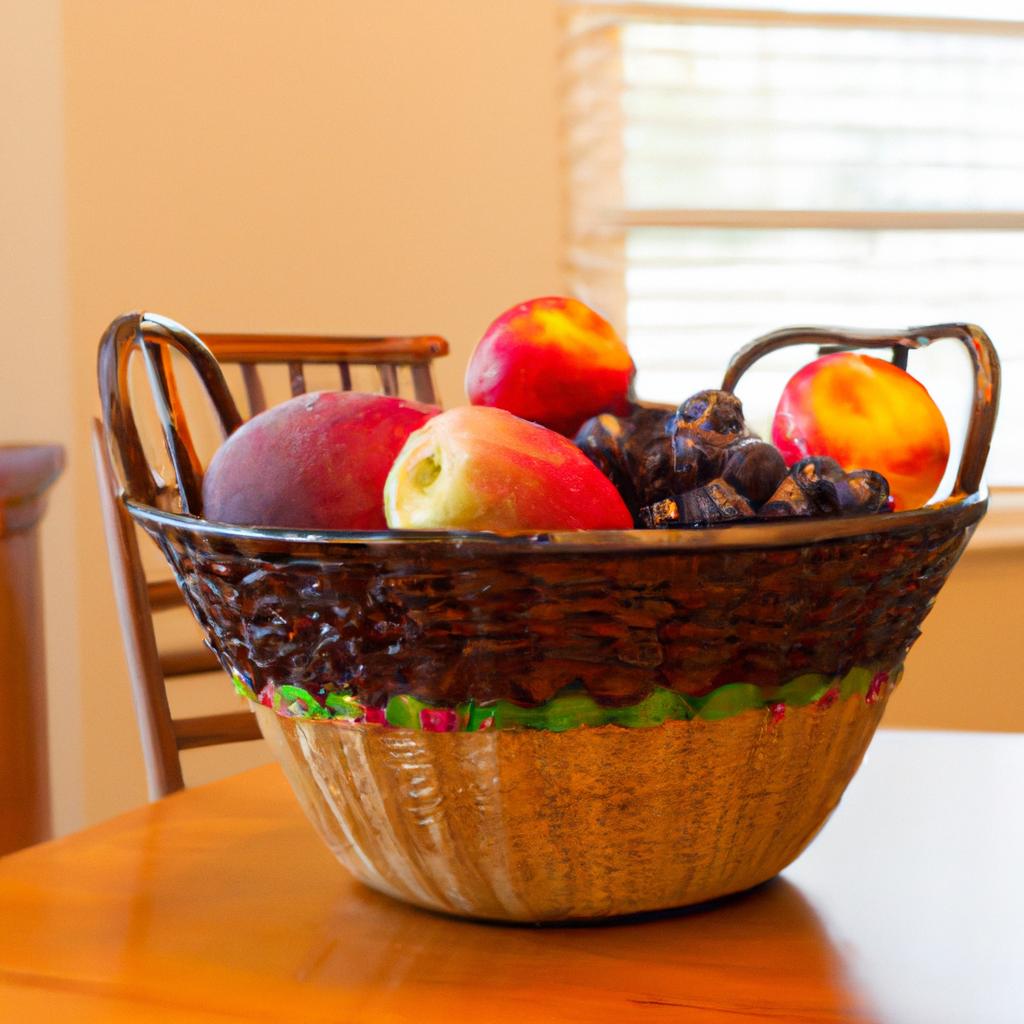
(139,598)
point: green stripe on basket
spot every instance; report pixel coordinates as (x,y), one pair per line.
(574,708)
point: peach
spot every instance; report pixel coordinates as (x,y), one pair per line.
(315,462)
(553,361)
(477,468)
(866,414)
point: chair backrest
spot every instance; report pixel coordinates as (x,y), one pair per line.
(140,598)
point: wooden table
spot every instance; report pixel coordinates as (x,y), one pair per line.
(219,904)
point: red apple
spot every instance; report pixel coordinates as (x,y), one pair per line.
(866,414)
(315,462)
(476,468)
(553,361)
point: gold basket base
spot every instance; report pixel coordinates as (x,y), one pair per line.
(524,825)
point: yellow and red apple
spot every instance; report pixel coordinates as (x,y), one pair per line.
(865,413)
(479,468)
(315,462)
(553,361)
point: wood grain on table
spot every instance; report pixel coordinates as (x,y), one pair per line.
(220,904)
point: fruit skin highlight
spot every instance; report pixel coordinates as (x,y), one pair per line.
(478,468)
(865,412)
(315,462)
(551,360)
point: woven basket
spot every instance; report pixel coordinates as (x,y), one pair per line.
(537,825)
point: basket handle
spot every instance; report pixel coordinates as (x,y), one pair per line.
(153,336)
(985,402)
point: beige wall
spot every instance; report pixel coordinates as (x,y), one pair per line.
(293,164)
(37,390)
(966,671)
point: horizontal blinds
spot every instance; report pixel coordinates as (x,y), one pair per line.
(810,118)
(730,177)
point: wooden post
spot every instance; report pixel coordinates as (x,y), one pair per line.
(26,471)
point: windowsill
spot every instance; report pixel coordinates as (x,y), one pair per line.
(1003,525)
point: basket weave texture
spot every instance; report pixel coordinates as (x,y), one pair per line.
(448,621)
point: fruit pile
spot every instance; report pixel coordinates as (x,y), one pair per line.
(553,441)
(701,465)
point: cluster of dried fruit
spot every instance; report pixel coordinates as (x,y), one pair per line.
(702,465)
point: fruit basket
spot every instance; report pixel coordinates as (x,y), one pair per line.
(563,725)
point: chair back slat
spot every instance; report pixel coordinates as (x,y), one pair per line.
(406,350)
(254,392)
(188,661)
(423,384)
(297,378)
(345,375)
(213,730)
(388,378)
(164,594)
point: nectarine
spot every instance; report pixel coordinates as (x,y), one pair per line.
(477,468)
(315,462)
(551,360)
(866,414)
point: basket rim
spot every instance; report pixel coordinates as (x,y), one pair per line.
(961,510)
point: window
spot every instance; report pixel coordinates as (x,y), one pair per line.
(734,170)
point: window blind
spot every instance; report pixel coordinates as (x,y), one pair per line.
(736,170)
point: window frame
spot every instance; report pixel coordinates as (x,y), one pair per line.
(610,221)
